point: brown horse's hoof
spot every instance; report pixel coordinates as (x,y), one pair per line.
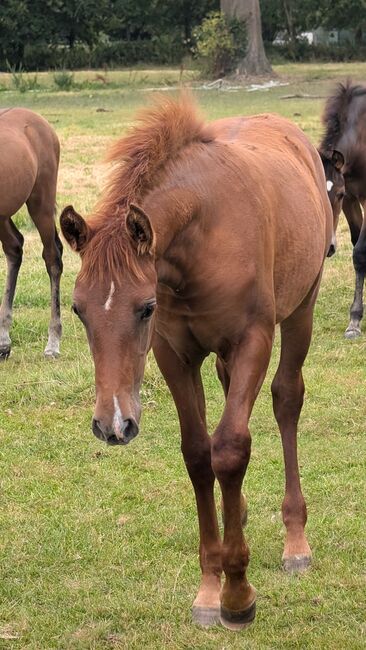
(296,563)
(239,620)
(352,332)
(205,616)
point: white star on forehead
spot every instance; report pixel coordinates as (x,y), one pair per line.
(329,185)
(108,302)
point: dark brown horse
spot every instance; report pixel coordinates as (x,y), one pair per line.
(345,130)
(28,174)
(205,238)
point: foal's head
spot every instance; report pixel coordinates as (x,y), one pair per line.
(115,299)
(333,164)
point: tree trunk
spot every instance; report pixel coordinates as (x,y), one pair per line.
(255,61)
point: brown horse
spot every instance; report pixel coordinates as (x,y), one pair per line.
(28,174)
(345,130)
(207,236)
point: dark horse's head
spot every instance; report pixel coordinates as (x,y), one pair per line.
(333,164)
(115,299)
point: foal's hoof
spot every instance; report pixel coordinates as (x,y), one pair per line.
(352,332)
(51,354)
(296,563)
(4,354)
(205,616)
(237,620)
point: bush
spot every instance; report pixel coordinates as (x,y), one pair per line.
(303,51)
(64,80)
(220,43)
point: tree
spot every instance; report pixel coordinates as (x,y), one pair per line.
(255,61)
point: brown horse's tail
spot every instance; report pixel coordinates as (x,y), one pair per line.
(335,113)
(161,132)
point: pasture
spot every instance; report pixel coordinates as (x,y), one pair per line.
(98,545)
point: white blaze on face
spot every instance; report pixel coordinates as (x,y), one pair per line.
(108,302)
(117,418)
(329,185)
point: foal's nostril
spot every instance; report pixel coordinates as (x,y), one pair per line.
(331,251)
(97,430)
(130,429)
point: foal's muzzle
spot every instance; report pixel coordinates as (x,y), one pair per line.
(128,430)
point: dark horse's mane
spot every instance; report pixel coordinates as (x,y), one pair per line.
(139,160)
(335,113)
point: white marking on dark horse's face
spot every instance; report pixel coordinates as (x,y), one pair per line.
(108,302)
(329,185)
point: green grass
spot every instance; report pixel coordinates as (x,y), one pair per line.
(98,546)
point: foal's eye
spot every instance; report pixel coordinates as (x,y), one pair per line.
(340,195)
(147,311)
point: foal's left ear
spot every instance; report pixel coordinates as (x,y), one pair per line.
(140,230)
(337,160)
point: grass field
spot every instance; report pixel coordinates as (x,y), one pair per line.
(98,546)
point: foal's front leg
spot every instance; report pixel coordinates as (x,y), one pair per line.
(184,381)
(230,457)
(359,262)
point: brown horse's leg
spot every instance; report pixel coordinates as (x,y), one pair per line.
(12,242)
(230,457)
(185,384)
(288,393)
(41,210)
(224,377)
(359,262)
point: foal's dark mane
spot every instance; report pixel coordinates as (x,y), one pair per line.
(139,160)
(335,113)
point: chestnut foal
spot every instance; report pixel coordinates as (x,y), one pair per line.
(30,154)
(206,236)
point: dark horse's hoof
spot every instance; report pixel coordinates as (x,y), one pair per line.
(205,616)
(296,563)
(237,621)
(352,332)
(4,353)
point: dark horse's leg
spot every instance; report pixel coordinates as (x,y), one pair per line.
(12,242)
(247,364)
(184,381)
(41,207)
(353,213)
(288,393)
(359,262)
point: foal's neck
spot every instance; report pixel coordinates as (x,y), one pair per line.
(170,212)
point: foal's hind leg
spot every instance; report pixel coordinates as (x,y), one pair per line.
(184,381)
(41,209)
(288,393)
(12,242)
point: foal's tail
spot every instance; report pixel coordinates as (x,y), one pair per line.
(336,112)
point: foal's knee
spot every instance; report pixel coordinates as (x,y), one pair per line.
(287,396)
(230,453)
(197,458)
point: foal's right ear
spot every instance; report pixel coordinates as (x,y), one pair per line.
(74,228)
